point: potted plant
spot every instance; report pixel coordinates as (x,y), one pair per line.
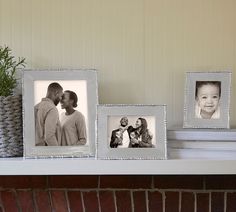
(11,138)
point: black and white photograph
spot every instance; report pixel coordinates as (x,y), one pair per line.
(207,100)
(131,132)
(64,108)
(207,96)
(60,113)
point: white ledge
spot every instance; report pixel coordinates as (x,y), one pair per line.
(67,166)
(190,152)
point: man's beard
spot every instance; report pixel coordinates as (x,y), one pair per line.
(56,101)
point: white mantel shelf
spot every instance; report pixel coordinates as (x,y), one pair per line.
(190,152)
(67,166)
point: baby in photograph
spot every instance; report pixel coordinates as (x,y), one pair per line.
(207,96)
(119,138)
(134,139)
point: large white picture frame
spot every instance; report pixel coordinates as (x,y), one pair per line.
(59,123)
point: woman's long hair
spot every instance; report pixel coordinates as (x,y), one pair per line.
(143,126)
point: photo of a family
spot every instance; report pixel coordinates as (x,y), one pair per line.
(207,97)
(64,128)
(131,132)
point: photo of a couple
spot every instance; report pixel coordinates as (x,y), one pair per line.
(58,121)
(137,135)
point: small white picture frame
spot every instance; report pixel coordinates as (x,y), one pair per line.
(131,132)
(52,127)
(207,100)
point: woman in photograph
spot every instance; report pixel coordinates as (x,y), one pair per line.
(72,121)
(141,136)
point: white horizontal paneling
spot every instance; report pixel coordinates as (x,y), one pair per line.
(141,47)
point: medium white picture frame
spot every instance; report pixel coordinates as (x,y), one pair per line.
(110,121)
(35,87)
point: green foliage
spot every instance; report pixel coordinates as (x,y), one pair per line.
(8,66)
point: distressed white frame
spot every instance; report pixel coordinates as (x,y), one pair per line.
(158,152)
(190,121)
(30,149)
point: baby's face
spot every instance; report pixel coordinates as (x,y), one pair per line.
(208,98)
(132,135)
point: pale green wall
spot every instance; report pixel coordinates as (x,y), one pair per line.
(142,48)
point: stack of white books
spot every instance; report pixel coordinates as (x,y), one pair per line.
(201,143)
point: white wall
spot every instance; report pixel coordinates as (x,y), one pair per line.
(142,48)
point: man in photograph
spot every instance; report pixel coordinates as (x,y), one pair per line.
(120,138)
(47,124)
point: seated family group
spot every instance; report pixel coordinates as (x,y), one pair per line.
(127,136)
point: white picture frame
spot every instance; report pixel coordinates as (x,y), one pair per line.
(35,87)
(109,122)
(207,100)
